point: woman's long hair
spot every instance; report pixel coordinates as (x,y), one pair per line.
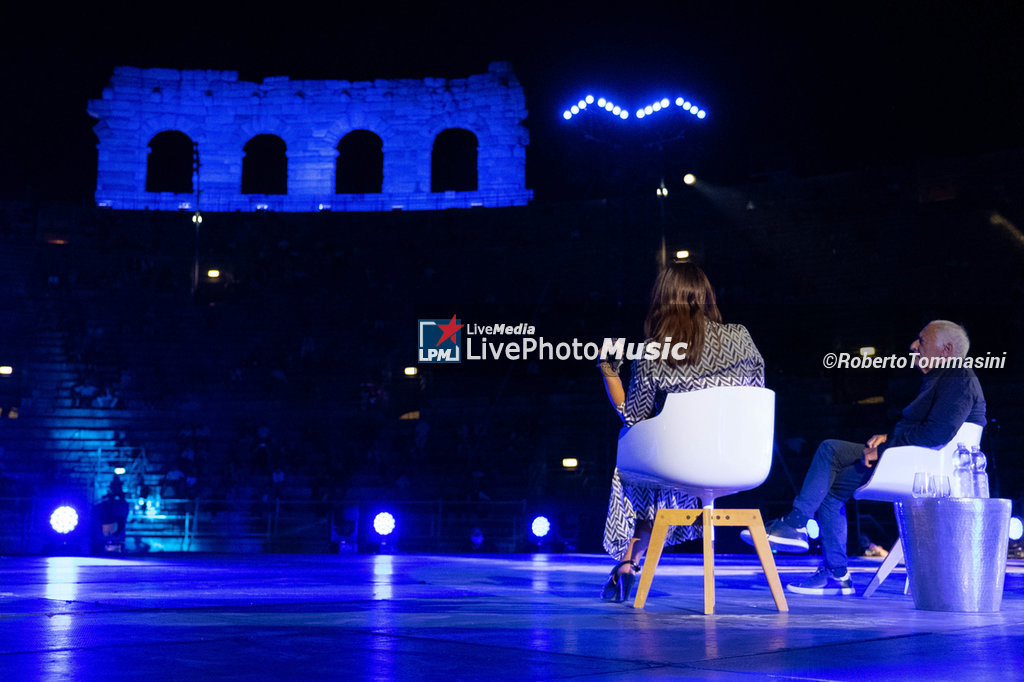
(682,302)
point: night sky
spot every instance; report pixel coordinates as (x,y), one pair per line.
(795,88)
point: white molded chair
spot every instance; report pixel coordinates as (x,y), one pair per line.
(893,480)
(708,443)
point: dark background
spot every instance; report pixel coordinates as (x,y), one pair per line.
(801,88)
(851,166)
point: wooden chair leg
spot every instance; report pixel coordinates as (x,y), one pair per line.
(894,558)
(751,518)
(764,553)
(657,543)
(709,562)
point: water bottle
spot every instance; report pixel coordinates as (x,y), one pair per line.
(963,476)
(980,477)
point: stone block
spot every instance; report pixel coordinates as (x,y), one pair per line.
(311,116)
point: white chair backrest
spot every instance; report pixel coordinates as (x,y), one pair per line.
(710,443)
(893,477)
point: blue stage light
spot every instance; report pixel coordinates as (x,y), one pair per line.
(384,523)
(623,114)
(812,529)
(540,527)
(1016,528)
(64,519)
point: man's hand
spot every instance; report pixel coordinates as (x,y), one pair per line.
(876,440)
(870,456)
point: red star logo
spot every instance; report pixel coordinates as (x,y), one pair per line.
(449,331)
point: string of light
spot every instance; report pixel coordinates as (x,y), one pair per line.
(622,113)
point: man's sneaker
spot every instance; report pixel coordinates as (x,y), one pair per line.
(782,537)
(824,583)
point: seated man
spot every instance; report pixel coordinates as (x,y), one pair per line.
(948,398)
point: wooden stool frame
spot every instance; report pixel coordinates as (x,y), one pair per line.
(751,518)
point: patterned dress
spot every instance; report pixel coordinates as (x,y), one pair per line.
(729,358)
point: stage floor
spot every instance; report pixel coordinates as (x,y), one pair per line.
(499,617)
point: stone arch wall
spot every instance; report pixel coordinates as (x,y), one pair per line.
(220,114)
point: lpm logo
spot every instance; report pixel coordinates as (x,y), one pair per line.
(438,340)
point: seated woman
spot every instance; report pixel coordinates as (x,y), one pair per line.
(683,308)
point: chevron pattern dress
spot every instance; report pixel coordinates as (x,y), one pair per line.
(729,358)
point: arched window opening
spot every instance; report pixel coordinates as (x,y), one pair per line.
(360,168)
(265,166)
(453,161)
(169,163)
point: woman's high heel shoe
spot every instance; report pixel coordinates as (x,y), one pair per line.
(619,585)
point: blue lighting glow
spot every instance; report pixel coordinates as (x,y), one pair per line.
(384,523)
(64,519)
(812,529)
(540,526)
(1016,528)
(623,114)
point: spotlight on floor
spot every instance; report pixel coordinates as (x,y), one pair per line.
(812,529)
(1016,528)
(64,519)
(540,527)
(384,524)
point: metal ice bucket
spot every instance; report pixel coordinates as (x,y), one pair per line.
(955,549)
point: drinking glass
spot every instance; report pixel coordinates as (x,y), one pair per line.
(941,485)
(920,484)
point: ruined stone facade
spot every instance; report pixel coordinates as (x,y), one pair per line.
(216,117)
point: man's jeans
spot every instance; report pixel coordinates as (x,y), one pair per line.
(836,471)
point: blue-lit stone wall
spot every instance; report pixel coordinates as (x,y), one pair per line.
(220,114)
